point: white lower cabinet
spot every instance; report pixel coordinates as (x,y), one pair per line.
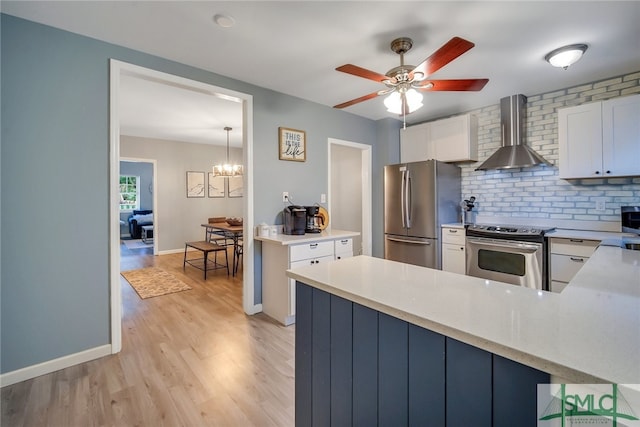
(567,256)
(343,248)
(453,250)
(278,291)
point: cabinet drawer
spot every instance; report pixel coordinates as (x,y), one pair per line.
(564,267)
(311,250)
(343,246)
(453,235)
(577,247)
(311,261)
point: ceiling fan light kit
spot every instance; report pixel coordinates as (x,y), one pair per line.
(395,101)
(564,56)
(404,81)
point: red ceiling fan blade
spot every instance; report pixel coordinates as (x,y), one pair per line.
(362,72)
(453,85)
(441,57)
(357,100)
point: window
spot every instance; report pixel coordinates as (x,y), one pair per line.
(129,193)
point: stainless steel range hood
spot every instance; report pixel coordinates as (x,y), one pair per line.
(513,153)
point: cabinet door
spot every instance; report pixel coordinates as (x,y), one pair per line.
(453,258)
(580,141)
(452,139)
(621,136)
(413,144)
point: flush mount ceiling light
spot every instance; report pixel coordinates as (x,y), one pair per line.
(227,169)
(225,21)
(566,55)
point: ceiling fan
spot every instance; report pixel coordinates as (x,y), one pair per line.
(403,80)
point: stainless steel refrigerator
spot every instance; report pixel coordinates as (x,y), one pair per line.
(418,198)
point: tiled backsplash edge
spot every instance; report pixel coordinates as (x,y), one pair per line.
(537,195)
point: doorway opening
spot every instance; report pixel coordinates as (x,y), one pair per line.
(134,239)
(349,197)
(117,70)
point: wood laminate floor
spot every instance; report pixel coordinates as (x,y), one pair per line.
(191,358)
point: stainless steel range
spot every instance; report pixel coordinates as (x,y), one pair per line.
(513,254)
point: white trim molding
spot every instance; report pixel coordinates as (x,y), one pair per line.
(49,366)
(118,68)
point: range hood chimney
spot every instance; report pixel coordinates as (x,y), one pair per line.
(513,153)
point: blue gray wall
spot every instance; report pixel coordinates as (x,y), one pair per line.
(54,175)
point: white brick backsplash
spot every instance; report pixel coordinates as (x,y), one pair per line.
(537,192)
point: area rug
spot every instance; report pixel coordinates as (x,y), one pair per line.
(153,282)
(136,244)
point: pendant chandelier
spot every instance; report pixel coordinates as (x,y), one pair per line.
(227,169)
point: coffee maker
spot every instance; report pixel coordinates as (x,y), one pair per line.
(313,219)
(295,218)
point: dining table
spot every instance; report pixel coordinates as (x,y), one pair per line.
(233,232)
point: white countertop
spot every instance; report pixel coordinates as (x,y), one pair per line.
(286,239)
(588,333)
(586,235)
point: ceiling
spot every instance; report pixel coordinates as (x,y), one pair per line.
(293,47)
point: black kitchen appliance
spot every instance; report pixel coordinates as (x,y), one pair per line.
(630,219)
(312,219)
(295,219)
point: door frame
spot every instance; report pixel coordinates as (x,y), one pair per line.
(367,207)
(116,69)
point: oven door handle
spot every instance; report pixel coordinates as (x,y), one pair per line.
(505,244)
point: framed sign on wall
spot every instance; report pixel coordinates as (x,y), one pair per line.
(292,144)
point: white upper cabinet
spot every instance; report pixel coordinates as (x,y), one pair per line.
(600,139)
(621,136)
(413,144)
(450,140)
(455,139)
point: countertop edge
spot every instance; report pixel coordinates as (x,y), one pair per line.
(285,239)
(519,356)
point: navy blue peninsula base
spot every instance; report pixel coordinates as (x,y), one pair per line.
(356,366)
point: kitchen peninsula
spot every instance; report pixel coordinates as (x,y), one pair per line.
(281,252)
(411,343)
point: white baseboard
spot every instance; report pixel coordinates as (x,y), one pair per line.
(171,251)
(43,368)
(254,309)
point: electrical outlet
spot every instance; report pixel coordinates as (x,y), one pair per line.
(285,196)
(323,198)
(601,204)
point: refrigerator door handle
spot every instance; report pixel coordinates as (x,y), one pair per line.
(409,203)
(402,201)
(415,242)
